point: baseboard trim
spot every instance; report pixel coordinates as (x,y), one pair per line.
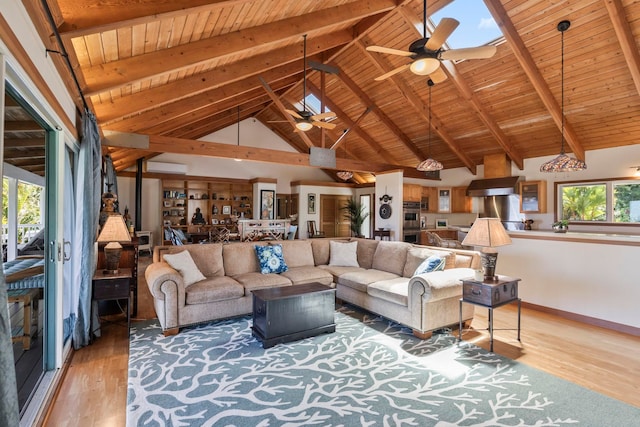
(618,327)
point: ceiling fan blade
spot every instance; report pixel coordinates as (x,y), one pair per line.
(381,49)
(392,72)
(323,124)
(480,52)
(441,33)
(438,76)
(294,114)
(327,115)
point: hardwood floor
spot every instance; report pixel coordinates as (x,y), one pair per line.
(94,390)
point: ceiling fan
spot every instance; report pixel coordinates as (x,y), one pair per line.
(305,119)
(427,52)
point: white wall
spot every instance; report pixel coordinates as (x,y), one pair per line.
(598,280)
(390,184)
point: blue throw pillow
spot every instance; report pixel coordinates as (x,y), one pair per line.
(433,263)
(271,259)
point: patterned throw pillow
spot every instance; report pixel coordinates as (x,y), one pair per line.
(271,259)
(433,263)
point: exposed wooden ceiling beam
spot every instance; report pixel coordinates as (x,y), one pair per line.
(212,149)
(220,76)
(282,108)
(382,116)
(483,115)
(535,77)
(212,124)
(625,38)
(22,126)
(380,151)
(79,20)
(23,142)
(418,106)
(188,107)
(115,74)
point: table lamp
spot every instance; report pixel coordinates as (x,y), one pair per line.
(113,231)
(488,233)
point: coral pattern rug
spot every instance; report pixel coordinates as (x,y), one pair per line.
(370,372)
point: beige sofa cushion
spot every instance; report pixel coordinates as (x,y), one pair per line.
(416,255)
(393,290)
(308,274)
(366,251)
(257,280)
(336,271)
(214,289)
(391,257)
(208,258)
(297,253)
(359,280)
(240,258)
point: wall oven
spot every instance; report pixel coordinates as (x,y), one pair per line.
(411,222)
(411,215)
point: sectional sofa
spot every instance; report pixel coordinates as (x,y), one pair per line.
(215,281)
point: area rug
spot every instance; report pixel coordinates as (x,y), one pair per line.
(370,372)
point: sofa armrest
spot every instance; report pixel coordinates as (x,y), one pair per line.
(157,274)
(438,284)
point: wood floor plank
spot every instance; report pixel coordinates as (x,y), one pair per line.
(94,390)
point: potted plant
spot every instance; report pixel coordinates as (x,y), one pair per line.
(560,226)
(356,215)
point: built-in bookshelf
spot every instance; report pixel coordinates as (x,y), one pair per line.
(217,201)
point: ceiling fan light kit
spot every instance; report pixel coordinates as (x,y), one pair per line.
(563,162)
(303,126)
(424,66)
(427,52)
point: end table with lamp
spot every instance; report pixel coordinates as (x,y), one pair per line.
(490,291)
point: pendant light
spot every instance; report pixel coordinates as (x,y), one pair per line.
(429,165)
(237,159)
(563,163)
(345,175)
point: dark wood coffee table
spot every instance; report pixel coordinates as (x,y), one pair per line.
(291,313)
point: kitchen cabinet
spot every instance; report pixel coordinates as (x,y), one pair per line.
(460,202)
(533,197)
(411,193)
(444,200)
(429,202)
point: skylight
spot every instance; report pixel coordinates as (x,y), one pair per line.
(477,26)
(312,104)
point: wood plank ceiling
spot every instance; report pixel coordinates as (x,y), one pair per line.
(179,70)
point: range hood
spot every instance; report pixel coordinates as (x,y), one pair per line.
(494,186)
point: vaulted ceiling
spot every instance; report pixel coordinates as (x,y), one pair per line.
(179,70)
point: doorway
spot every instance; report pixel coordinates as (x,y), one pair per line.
(333,221)
(23,239)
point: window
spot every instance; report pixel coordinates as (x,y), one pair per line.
(312,104)
(614,202)
(477,26)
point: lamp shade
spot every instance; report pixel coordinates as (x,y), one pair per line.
(488,233)
(114,230)
(304,126)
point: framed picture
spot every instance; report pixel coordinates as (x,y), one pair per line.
(311,203)
(226,210)
(267,198)
(442,223)
(167,203)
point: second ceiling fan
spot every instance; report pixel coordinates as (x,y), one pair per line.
(427,52)
(305,119)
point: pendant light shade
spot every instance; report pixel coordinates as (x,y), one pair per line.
(429,165)
(563,162)
(345,175)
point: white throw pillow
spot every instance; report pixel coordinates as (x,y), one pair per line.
(183,262)
(343,254)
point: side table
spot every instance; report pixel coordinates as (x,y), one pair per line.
(491,295)
(107,287)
